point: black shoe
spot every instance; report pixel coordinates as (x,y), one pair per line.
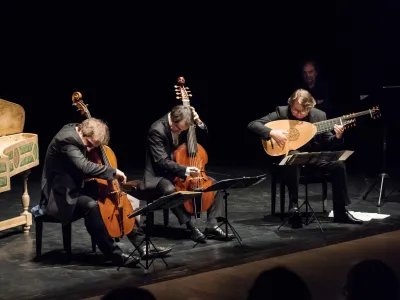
(345,217)
(124,259)
(197,236)
(217,233)
(159,251)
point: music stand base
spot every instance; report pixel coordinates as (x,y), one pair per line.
(147,242)
(227,223)
(307,222)
(381,190)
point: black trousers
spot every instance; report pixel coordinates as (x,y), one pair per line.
(337,170)
(88,209)
(166,187)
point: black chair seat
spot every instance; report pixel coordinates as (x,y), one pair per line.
(66,234)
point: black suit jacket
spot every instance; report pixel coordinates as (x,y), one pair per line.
(64,171)
(321,142)
(159,154)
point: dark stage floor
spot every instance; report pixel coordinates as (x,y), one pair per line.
(86,275)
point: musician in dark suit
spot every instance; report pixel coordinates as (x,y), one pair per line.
(164,136)
(63,190)
(301,107)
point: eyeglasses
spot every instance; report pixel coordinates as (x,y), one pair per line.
(300,112)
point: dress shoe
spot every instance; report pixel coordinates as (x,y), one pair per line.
(159,251)
(345,217)
(197,236)
(217,233)
(124,259)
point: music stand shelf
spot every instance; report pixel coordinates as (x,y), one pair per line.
(234,183)
(164,202)
(307,158)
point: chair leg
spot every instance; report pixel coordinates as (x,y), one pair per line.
(39,235)
(282,199)
(273,195)
(306,199)
(324,194)
(166,217)
(67,233)
(93,245)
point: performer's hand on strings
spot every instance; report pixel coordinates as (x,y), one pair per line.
(280,136)
(339,129)
(120,176)
(193,171)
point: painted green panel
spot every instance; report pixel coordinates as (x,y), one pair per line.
(26,160)
(3,181)
(25,148)
(3,168)
(35,151)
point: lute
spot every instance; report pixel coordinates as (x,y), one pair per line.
(301,132)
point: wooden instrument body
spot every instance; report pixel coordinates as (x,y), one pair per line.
(299,134)
(199,160)
(114,204)
(194,155)
(115,207)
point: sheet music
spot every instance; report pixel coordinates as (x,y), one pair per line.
(304,158)
(346,155)
(285,159)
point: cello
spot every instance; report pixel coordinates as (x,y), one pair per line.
(114,204)
(194,155)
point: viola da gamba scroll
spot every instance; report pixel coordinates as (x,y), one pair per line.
(301,132)
(192,154)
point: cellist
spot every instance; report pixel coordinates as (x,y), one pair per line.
(164,136)
(62,186)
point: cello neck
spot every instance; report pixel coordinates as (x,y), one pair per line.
(83,109)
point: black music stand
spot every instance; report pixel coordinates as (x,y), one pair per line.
(164,202)
(307,158)
(390,112)
(224,185)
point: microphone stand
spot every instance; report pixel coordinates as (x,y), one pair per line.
(381,178)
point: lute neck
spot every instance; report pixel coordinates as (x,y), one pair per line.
(328,125)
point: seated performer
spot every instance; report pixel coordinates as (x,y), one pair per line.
(301,107)
(63,193)
(164,136)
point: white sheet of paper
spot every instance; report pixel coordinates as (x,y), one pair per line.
(364,216)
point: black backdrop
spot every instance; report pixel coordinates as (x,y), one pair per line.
(239,62)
